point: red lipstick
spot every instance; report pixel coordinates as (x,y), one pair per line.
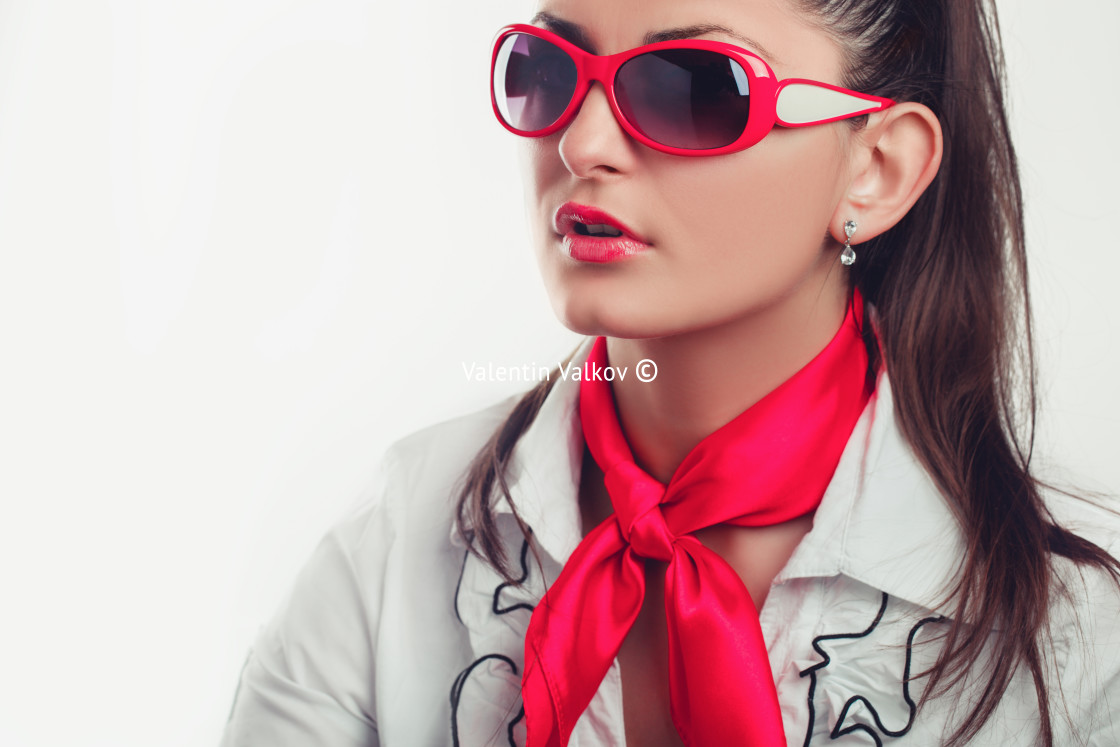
(593,235)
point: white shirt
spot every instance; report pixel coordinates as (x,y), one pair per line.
(395,636)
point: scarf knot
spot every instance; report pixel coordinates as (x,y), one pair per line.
(637,500)
(649,536)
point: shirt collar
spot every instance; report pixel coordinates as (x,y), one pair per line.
(881,521)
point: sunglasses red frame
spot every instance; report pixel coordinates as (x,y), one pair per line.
(793,102)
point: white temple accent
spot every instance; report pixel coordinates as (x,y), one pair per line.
(803,103)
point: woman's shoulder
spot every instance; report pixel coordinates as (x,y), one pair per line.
(398,527)
(382,568)
(1085,616)
(421,471)
(436,456)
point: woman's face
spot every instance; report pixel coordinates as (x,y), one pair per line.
(729,236)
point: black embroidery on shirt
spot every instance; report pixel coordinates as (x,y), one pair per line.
(838,732)
(811,672)
(498,610)
(513,724)
(457,693)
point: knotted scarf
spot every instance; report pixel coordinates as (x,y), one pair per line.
(769,465)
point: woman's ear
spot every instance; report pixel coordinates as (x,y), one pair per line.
(896,156)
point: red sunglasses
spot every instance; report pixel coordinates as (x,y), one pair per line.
(688,97)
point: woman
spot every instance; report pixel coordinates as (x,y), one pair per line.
(815,524)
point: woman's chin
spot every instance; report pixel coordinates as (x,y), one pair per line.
(598,320)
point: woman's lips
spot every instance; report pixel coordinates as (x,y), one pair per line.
(599,248)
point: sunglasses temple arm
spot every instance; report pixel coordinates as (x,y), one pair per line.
(800,103)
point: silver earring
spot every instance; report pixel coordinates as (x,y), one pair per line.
(848,257)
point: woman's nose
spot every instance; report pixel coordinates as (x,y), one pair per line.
(594,143)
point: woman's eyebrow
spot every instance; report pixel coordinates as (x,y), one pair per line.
(572,32)
(700,29)
(576,34)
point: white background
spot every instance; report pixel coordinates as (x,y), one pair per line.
(241,254)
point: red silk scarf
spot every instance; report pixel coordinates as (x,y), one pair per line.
(770,464)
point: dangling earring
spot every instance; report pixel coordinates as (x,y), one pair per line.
(848,257)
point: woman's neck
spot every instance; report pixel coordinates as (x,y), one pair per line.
(708,377)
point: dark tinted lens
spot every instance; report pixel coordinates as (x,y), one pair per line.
(534,81)
(685,98)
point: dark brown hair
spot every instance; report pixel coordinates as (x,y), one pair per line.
(949,286)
